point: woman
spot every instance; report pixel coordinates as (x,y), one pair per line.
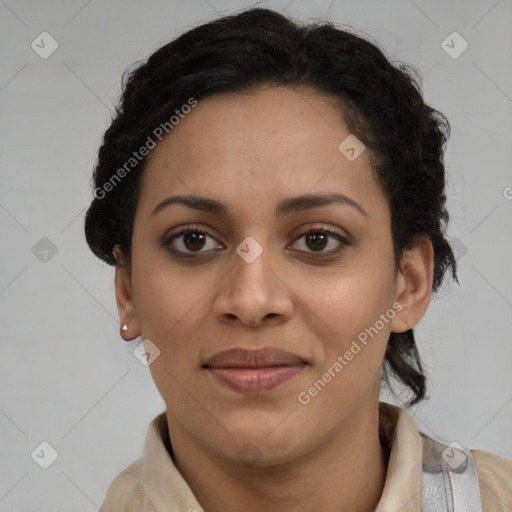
(272,198)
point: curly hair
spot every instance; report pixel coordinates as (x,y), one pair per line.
(382,104)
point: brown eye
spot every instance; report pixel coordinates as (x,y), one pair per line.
(190,240)
(316,240)
(194,241)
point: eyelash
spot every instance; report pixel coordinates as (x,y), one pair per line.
(199,230)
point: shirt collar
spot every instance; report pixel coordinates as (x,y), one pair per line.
(166,488)
(402,488)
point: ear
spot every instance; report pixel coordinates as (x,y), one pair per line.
(124,298)
(413,285)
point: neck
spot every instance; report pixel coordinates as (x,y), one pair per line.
(344,473)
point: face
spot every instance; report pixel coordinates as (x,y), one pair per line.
(313,278)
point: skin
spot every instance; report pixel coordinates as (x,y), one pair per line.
(251,151)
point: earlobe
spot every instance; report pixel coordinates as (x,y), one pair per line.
(413,285)
(129,322)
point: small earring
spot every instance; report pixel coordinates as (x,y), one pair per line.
(124,328)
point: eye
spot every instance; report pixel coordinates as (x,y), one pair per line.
(193,239)
(317,239)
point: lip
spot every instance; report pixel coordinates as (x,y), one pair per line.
(254,371)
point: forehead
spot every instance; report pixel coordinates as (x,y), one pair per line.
(258,147)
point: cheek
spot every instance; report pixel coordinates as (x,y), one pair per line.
(352,339)
(170,306)
(346,304)
(355,312)
(171,309)
(163,292)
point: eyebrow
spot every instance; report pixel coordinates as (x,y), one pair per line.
(289,205)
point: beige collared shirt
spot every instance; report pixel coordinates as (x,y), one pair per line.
(152,483)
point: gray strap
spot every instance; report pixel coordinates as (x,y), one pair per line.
(449,478)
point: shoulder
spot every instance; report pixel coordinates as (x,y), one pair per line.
(126,491)
(495,476)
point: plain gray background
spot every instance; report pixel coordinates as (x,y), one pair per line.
(68,378)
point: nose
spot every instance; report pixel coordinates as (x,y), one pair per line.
(254,293)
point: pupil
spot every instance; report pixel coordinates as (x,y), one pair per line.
(194,239)
(316,237)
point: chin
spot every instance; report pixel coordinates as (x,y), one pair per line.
(264,443)
(261,453)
